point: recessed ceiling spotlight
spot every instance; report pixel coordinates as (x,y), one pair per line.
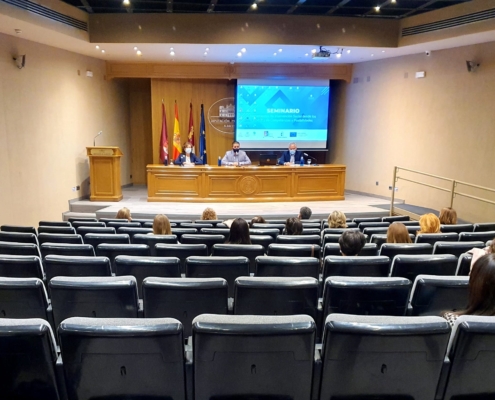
(383,51)
(254,6)
(172,53)
(393,1)
(205,53)
(171,49)
(103,51)
(135,48)
(97,47)
(372,55)
(139,53)
(207,49)
(338,55)
(126,2)
(243,49)
(280,50)
(239,54)
(313,51)
(348,52)
(377,8)
(306,55)
(274,54)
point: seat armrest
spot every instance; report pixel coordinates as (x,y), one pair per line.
(59,372)
(442,382)
(409,310)
(317,368)
(188,358)
(140,308)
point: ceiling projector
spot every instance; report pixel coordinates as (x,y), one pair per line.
(322,54)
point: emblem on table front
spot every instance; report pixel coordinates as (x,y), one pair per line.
(248,185)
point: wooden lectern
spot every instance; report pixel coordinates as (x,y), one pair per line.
(104,173)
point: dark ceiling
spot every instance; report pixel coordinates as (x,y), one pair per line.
(343,8)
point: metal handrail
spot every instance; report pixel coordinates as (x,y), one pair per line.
(424,173)
(476,186)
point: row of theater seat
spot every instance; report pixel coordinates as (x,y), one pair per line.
(249,357)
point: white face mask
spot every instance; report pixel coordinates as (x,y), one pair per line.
(188,150)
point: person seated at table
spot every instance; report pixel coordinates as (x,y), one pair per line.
(351,243)
(429,223)
(124,213)
(293,226)
(257,220)
(209,214)
(448,216)
(187,157)
(239,232)
(161,225)
(398,233)
(337,219)
(236,157)
(291,156)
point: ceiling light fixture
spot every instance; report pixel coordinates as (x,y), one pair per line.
(97,47)
(313,51)
(338,55)
(126,3)
(306,55)
(103,51)
(280,50)
(348,51)
(207,49)
(243,49)
(239,54)
(377,8)
(393,1)
(254,6)
(139,53)
(275,54)
(172,53)
(205,53)
(171,49)
(135,48)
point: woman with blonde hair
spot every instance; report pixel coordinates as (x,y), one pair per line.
(429,223)
(209,214)
(397,233)
(448,216)
(161,225)
(337,219)
(124,213)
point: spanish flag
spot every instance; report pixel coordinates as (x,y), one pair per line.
(177,145)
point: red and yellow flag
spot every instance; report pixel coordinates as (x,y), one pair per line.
(177,145)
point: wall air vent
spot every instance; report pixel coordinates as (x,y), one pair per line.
(449,23)
(48,13)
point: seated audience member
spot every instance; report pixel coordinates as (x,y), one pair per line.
(397,233)
(429,223)
(209,214)
(236,157)
(448,216)
(161,225)
(291,156)
(481,298)
(239,232)
(187,157)
(351,243)
(293,226)
(478,253)
(337,219)
(305,213)
(124,213)
(257,220)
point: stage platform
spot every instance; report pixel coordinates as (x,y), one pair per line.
(135,198)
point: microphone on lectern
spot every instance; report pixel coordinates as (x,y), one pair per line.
(315,160)
(94,140)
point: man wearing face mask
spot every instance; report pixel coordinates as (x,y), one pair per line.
(291,156)
(187,157)
(236,157)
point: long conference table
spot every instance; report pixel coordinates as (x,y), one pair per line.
(205,183)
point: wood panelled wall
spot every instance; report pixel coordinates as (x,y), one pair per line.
(186,91)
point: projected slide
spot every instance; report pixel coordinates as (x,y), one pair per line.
(270,116)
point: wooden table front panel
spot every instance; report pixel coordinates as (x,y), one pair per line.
(259,184)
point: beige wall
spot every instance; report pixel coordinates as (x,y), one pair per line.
(443,124)
(48,115)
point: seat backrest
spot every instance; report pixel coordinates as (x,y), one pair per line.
(464,264)
(411,265)
(19,229)
(84,230)
(95,239)
(337,231)
(133,231)
(111,251)
(228,268)
(377,356)
(143,267)
(59,238)
(299,239)
(359,220)
(250,251)
(214,222)
(377,266)
(363,225)
(118,225)
(365,295)
(264,240)
(60,230)
(276,351)
(123,358)
(311,231)
(374,230)
(23,298)
(333,249)
(311,225)
(184,299)
(56,265)
(209,240)
(457,228)
(276,296)
(265,231)
(484,227)
(471,353)
(196,225)
(55,223)
(72,219)
(66,249)
(456,248)
(181,251)
(432,238)
(433,295)
(99,297)
(27,360)
(378,239)
(330,238)
(152,240)
(280,227)
(476,236)
(215,231)
(144,222)
(294,250)
(392,249)
(20,249)
(287,266)
(18,237)
(19,266)
(106,220)
(396,218)
(276,221)
(413,229)
(184,231)
(77,224)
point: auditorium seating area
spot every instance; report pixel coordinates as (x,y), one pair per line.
(102,309)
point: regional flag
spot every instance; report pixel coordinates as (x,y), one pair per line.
(177,145)
(202,137)
(190,136)
(163,137)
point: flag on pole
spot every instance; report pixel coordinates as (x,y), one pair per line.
(190,136)
(163,137)
(202,137)
(177,145)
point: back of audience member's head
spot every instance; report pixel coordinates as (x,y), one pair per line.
(209,214)
(239,232)
(161,225)
(481,300)
(305,213)
(398,233)
(257,220)
(293,226)
(429,223)
(448,216)
(351,242)
(124,213)
(337,219)
(491,247)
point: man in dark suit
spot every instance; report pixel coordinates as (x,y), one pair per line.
(291,156)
